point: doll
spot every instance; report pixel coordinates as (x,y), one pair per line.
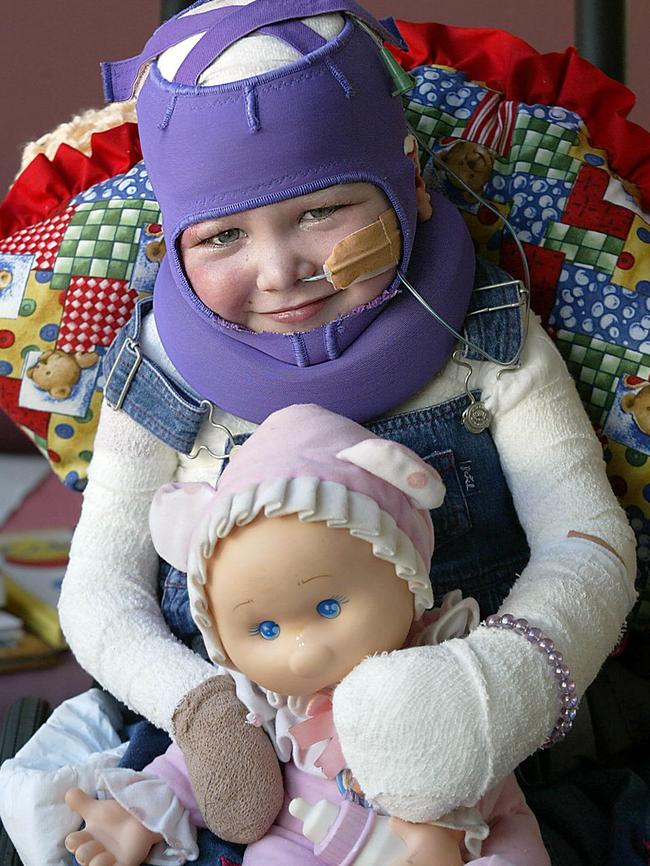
(265,156)
(311,554)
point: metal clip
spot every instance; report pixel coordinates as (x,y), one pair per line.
(522,291)
(130,344)
(477,417)
(207,406)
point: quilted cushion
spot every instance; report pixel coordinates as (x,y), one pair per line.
(72,264)
(545,140)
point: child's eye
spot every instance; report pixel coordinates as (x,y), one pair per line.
(319,213)
(267,629)
(330,608)
(224,238)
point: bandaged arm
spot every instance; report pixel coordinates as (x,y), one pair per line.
(109,606)
(110,614)
(456,718)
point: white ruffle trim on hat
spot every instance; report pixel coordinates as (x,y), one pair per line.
(311,499)
(154,804)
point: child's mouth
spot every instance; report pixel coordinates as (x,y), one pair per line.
(300,313)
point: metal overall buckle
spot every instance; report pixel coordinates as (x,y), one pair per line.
(130,344)
(522,301)
(476,417)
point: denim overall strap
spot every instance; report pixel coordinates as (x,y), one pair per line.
(145,393)
(494,320)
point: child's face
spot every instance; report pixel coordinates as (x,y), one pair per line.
(248,267)
(298,605)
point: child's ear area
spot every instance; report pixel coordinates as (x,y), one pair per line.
(422,197)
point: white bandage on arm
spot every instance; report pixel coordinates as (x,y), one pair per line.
(575,590)
(109,606)
(456,718)
(540,428)
(554,466)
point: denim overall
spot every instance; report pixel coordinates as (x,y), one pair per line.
(480,545)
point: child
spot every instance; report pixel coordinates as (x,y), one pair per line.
(271,154)
(312,554)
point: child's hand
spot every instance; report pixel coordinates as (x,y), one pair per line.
(428,845)
(111,837)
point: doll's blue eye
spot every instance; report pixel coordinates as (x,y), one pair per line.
(329,608)
(268,629)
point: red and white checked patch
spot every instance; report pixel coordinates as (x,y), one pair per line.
(42,239)
(94,311)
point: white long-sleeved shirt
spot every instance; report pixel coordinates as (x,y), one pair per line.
(575,590)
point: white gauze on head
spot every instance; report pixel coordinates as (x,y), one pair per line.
(252,55)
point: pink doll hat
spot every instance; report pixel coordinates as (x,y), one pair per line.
(308,461)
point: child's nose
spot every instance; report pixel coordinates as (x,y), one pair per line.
(281,267)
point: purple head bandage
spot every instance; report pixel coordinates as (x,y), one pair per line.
(328,118)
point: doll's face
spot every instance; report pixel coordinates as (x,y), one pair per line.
(298,605)
(248,267)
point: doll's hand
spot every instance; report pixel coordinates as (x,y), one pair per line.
(428,729)
(428,844)
(111,836)
(232,764)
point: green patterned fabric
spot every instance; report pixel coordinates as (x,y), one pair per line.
(102,240)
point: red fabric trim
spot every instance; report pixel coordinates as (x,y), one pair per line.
(33,421)
(508,64)
(47,186)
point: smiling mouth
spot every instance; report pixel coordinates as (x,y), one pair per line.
(306,309)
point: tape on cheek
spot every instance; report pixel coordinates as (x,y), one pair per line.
(370,251)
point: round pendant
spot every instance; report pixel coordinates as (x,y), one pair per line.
(476,418)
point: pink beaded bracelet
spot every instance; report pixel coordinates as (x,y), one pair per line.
(555,660)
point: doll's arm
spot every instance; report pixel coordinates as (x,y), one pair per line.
(143,809)
(514,838)
(408,704)
(111,617)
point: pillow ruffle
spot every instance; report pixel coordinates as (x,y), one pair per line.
(46,186)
